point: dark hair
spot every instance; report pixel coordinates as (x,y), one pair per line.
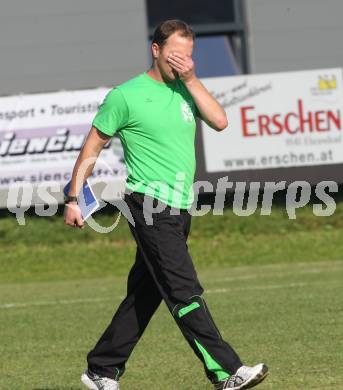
(165,29)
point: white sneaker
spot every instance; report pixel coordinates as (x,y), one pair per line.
(244,378)
(95,382)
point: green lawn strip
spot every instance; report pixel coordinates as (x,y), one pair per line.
(51,230)
(68,261)
(101,257)
(45,249)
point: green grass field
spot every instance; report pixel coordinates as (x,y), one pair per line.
(274,287)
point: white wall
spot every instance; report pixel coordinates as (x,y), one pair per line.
(294,34)
(51,45)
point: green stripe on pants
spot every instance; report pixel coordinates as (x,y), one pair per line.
(211,364)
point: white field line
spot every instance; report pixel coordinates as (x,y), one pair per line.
(51,303)
(254,288)
(209,291)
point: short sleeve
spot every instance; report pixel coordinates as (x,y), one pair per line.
(195,108)
(113,113)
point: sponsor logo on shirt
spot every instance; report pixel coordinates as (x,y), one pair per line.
(186,109)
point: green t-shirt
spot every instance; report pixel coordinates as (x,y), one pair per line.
(156,126)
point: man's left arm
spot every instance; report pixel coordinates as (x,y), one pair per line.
(210,110)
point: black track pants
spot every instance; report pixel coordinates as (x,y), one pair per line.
(163,270)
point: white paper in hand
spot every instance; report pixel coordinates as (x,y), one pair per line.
(87,201)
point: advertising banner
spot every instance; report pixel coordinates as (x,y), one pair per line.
(41,136)
(280,120)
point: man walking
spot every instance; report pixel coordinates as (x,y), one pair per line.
(154,116)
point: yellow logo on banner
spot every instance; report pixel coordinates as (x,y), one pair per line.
(325,83)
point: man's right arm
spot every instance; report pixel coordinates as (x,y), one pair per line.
(83,168)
